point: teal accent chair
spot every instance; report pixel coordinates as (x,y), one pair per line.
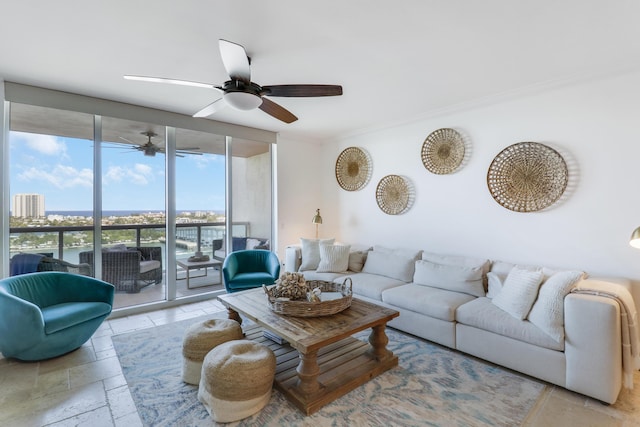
(48,314)
(250,269)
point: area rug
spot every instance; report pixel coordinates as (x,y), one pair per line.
(432,386)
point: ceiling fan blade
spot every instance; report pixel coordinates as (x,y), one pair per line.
(189,152)
(277,111)
(171,81)
(303,90)
(216,105)
(235,60)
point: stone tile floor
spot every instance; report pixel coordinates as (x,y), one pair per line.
(87,388)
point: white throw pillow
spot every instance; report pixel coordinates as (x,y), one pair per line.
(519,292)
(333,258)
(390,264)
(495,284)
(311,252)
(548,311)
(252,243)
(458,278)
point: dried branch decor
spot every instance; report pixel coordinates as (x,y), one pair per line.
(353,169)
(394,195)
(527,177)
(443,151)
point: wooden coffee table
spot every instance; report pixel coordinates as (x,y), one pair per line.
(330,361)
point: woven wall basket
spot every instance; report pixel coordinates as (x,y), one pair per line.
(394,195)
(527,177)
(353,169)
(443,151)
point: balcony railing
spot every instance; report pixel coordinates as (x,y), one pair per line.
(240,229)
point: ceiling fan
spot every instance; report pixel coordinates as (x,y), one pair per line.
(150,149)
(241,93)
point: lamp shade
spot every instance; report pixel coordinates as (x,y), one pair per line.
(317,219)
(635,238)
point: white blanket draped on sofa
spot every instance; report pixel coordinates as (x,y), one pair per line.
(628,321)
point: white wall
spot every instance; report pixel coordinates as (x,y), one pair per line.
(301,173)
(252,193)
(595,125)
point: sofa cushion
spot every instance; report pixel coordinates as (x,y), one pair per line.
(311,252)
(333,258)
(519,292)
(61,316)
(404,252)
(457,278)
(327,277)
(371,285)
(482,314)
(396,264)
(433,302)
(147,266)
(547,312)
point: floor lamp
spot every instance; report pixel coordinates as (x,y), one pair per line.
(317,220)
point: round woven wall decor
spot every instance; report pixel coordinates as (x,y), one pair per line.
(393,195)
(443,151)
(353,169)
(527,177)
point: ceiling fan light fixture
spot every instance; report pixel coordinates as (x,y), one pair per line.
(242,100)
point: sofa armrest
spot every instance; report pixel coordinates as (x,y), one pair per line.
(292,258)
(593,346)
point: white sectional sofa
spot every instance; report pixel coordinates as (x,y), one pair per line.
(486,309)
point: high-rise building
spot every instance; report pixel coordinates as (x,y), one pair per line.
(28,205)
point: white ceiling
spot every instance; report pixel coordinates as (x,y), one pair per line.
(397,60)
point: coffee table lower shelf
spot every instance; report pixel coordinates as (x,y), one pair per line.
(344,366)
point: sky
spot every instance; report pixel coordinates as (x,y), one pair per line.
(62,170)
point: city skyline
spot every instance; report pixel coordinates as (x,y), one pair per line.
(61,169)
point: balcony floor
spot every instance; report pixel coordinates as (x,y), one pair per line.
(199,283)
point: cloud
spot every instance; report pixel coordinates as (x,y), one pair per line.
(205,161)
(44,144)
(61,176)
(140,174)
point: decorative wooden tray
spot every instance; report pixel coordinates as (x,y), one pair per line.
(313,309)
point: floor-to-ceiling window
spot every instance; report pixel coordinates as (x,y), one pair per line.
(134,180)
(51,186)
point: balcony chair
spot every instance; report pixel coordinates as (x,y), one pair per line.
(129,269)
(250,269)
(30,263)
(238,244)
(48,314)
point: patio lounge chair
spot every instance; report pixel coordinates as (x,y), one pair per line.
(129,269)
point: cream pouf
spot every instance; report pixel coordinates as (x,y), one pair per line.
(236,380)
(199,339)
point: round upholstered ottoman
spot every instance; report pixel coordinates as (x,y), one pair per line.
(199,339)
(236,380)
